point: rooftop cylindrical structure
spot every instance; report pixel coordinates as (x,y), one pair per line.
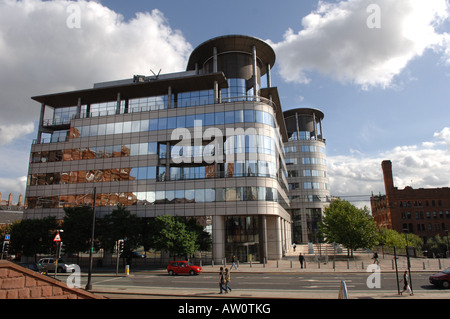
(304,123)
(243,60)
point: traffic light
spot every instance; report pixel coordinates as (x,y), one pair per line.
(121,245)
(6,247)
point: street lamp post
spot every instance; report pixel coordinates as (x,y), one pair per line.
(89,284)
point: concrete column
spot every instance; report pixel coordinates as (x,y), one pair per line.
(79,108)
(255,72)
(274,238)
(218,238)
(169,97)
(269,81)
(263,238)
(118,104)
(215,67)
(41,123)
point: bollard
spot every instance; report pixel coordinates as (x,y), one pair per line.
(277,263)
(127,270)
(424,266)
(318,264)
(250,264)
(362,265)
(291,264)
(440,266)
(212,263)
(348,264)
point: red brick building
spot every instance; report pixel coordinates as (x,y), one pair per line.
(423,212)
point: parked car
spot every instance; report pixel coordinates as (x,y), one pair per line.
(183,267)
(441,279)
(35,267)
(49,263)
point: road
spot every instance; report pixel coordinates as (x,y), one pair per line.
(248,282)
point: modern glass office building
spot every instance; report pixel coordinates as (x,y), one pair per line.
(305,160)
(207,142)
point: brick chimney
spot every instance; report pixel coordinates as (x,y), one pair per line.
(387,174)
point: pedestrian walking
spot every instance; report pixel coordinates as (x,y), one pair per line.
(301,259)
(221,280)
(294,246)
(227,277)
(375,258)
(233,263)
(406,286)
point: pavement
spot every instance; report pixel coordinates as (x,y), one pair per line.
(290,264)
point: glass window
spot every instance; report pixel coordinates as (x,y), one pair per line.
(101,129)
(239,168)
(229,117)
(118,128)
(181,121)
(190,120)
(161,173)
(162,123)
(179,196)
(219,118)
(239,116)
(220,194)
(230,194)
(171,122)
(201,118)
(249,116)
(127,127)
(210,195)
(144,125)
(151,172)
(199,195)
(209,119)
(152,148)
(162,150)
(251,168)
(259,116)
(153,125)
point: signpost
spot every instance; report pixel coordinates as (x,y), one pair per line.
(5,246)
(58,243)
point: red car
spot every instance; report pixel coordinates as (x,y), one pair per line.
(183,267)
(441,278)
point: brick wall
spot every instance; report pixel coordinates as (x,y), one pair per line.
(17,282)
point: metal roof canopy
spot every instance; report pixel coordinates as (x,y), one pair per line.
(134,90)
(232,43)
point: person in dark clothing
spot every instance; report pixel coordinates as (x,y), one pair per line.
(301,259)
(221,280)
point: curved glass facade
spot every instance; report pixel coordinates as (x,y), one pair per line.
(122,138)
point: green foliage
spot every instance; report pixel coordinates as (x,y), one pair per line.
(33,236)
(120,224)
(77,227)
(391,238)
(175,236)
(437,246)
(348,225)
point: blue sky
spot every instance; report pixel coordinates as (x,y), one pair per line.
(384,91)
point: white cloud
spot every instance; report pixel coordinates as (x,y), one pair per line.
(42,51)
(420,166)
(336,41)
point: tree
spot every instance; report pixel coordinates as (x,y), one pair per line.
(348,225)
(120,224)
(174,236)
(392,238)
(77,227)
(33,236)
